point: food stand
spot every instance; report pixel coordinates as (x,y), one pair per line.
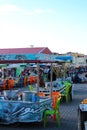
(23,110)
(23,106)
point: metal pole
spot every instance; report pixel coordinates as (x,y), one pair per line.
(38,85)
(51,78)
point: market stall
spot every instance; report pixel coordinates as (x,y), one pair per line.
(24,106)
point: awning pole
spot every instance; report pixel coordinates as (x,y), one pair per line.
(38,85)
(51,78)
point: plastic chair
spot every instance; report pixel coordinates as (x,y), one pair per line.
(55,96)
(66,93)
(55,111)
(54,99)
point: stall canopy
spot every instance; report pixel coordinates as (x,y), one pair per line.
(65,58)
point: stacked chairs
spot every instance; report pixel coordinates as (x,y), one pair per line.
(55,96)
(53,111)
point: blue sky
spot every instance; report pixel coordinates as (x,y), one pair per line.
(60,25)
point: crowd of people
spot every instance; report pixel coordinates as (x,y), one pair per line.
(10,78)
(77,74)
(45,76)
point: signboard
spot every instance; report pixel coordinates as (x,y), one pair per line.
(40,56)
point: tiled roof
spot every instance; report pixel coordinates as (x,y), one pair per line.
(34,50)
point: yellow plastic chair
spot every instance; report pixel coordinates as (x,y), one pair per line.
(52,112)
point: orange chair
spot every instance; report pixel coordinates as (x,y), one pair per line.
(55,96)
(54,99)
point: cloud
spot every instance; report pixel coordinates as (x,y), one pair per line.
(33,12)
(7,9)
(39,11)
(50,11)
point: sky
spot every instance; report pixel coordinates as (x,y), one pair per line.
(60,25)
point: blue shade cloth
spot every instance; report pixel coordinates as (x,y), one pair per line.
(64,58)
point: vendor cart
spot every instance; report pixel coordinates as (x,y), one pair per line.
(23,106)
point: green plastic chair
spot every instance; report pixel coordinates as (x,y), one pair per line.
(66,93)
(51,112)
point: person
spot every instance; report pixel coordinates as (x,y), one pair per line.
(53,75)
(21,78)
(41,81)
(76,79)
(46,70)
(10,83)
(0,74)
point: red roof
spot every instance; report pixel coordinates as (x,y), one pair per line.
(34,50)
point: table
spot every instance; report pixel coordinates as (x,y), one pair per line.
(47,92)
(82,116)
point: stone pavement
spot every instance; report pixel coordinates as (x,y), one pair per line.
(69,111)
